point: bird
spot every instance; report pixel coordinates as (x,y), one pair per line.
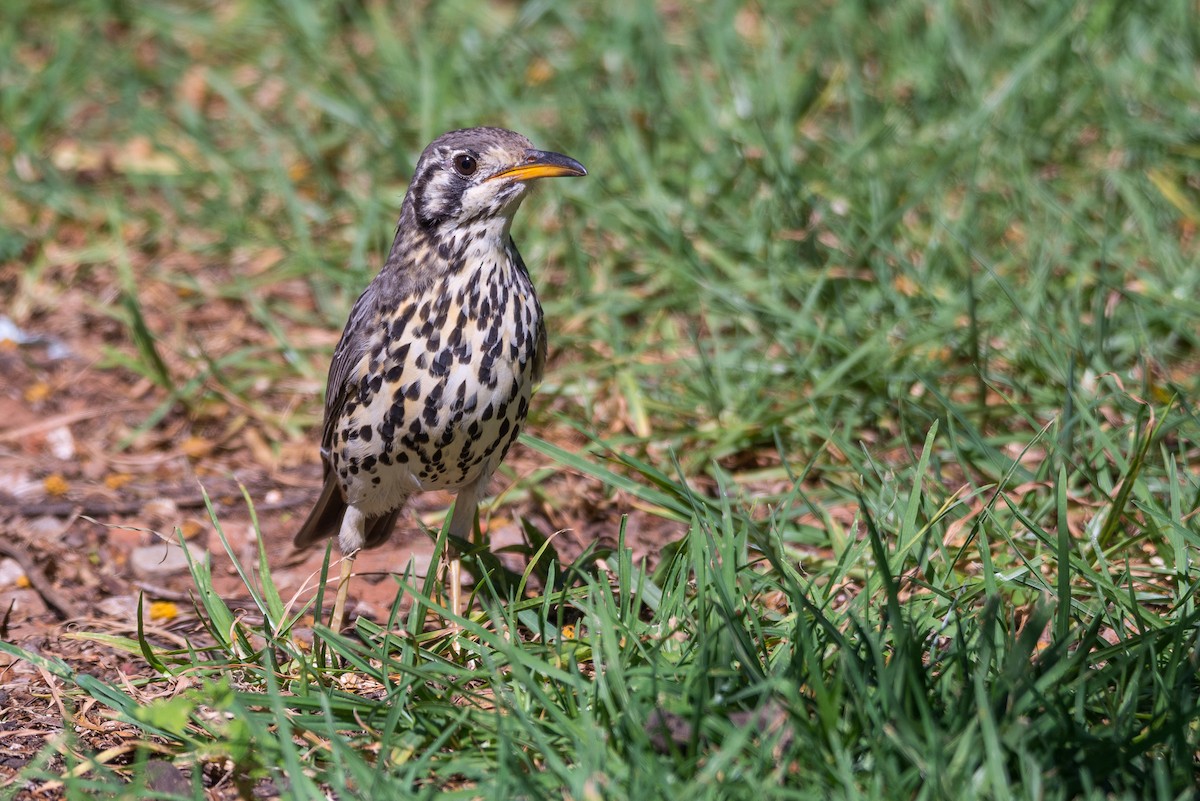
(432,378)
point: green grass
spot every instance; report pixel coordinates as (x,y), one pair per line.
(892,305)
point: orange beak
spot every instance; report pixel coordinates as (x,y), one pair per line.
(542,164)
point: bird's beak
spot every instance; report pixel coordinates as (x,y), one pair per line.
(542,164)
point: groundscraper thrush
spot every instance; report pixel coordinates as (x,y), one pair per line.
(432,378)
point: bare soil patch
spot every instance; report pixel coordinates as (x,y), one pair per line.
(90,503)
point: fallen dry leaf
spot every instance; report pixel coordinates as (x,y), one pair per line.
(56,485)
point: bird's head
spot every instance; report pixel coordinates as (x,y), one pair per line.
(477,175)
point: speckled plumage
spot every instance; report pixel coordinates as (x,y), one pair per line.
(432,378)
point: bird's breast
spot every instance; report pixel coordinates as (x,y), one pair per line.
(442,392)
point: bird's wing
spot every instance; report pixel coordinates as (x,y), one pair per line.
(349,352)
(325,519)
(539,356)
(539,353)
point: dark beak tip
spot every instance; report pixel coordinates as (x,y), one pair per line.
(557,160)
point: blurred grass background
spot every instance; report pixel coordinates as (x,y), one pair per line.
(923,269)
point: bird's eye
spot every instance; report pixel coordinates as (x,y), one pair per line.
(465,165)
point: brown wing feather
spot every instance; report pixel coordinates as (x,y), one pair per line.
(325,519)
(350,350)
(539,355)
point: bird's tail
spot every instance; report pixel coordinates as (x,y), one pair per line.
(325,519)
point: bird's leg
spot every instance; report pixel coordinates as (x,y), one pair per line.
(454,579)
(462,524)
(351,539)
(337,619)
